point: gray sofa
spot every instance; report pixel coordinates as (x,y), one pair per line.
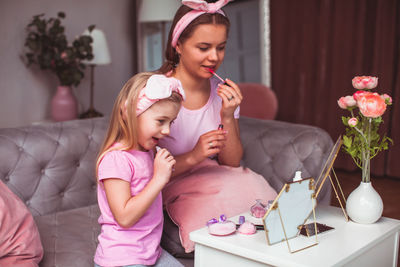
(50,167)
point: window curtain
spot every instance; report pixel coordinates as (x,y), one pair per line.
(318,46)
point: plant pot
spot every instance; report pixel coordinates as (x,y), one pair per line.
(64,105)
(364,205)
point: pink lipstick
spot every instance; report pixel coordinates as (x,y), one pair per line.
(216,75)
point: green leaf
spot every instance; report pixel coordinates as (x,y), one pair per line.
(345,120)
(389,139)
(48,47)
(347,141)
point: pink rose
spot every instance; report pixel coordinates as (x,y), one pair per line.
(346,102)
(371,105)
(387,98)
(352,122)
(357,94)
(364,82)
(63,55)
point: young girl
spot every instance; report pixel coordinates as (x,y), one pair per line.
(130,178)
(196,44)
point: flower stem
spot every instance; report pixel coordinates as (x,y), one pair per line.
(362,134)
(366,152)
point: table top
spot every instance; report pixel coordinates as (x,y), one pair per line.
(347,241)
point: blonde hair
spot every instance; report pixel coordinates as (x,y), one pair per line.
(123,120)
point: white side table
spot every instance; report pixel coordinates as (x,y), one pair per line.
(350,244)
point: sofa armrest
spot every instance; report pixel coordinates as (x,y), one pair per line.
(276,150)
(51,166)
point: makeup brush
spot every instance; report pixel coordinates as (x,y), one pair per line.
(216,75)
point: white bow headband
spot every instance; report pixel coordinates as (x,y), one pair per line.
(157,87)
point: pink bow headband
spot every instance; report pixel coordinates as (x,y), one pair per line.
(199,7)
(157,87)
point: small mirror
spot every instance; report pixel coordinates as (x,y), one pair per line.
(289,211)
(328,165)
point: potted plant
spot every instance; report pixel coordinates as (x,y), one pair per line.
(47,47)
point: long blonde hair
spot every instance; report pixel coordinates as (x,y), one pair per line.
(123,121)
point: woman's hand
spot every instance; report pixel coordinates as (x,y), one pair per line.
(209,144)
(163,165)
(231,98)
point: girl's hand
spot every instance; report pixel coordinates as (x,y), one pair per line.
(209,144)
(163,166)
(231,98)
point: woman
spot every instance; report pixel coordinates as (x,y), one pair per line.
(200,47)
(196,46)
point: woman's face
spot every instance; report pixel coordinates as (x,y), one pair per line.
(203,50)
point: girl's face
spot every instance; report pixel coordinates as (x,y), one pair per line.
(155,122)
(203,50)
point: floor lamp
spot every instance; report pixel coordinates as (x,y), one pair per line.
(101,56)
(158,11)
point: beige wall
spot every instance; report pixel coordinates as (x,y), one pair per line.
(25,93)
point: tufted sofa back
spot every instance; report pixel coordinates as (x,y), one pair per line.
(51,166)
(277,149)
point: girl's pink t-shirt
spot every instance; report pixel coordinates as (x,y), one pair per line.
(191,124)
(139,244)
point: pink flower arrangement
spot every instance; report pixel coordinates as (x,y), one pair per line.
(352,122)
(371,105)
(361,140)
(387,98)
(358,94)
(347,102)
(364,82)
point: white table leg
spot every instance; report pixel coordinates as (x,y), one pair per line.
(396,250)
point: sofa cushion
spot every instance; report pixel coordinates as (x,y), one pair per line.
(170,240)
(70,234)
(208,191)
(19,237)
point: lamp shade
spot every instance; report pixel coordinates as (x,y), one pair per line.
(101,54)
(158,10)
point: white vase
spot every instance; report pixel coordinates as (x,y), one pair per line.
(364,204)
